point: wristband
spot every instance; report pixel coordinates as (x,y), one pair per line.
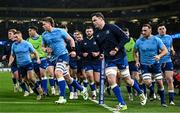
(73,49)
(116,49)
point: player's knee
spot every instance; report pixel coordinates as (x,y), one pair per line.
(58,73)
(125,73)
(147,82)
(111,80)
(129,81)
(111,71)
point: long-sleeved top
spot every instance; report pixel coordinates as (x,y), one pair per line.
(89,45)
(110,37)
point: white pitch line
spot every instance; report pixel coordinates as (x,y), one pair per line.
(9,102)
(114,110)
(36,103)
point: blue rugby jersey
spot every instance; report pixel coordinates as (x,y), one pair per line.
(21,50)
(56,41)
(167,40)
(148,48)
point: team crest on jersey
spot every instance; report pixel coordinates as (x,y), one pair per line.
(97,36)
(85,43)
(94,43)
(107,32)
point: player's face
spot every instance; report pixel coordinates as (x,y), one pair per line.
(31,32)
(89,32)
(78,36)
(162,30)
(11,35)
(146,32)
(18,37)
(46,25)
(97,21)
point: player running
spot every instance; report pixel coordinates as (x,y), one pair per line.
(166,62)
(54,40)
(20,51)
(111,40)
(148,47)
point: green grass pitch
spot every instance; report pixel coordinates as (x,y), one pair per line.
(15,102)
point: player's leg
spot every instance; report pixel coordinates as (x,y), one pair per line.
(159,78)
(44,80)
(90,77)
(50,71)
(22,80)
(130,95)
(169,78)
(59,73)
(76,85)
(33,81)
(15,77)
(124,69)
(73,74)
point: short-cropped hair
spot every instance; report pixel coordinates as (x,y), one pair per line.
(50,20)
(98,14)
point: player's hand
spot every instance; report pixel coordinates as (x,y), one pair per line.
(48,50)
(73,54)
(4,57)
(78,57)
(101,57)
(38,61)
(95,54)
(113,52)
(137,64)
(173,52)
(157,57)
(9,64)
(85,54)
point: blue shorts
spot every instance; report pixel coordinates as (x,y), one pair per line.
(42,65)
(133,67)
(61,58)
(80,65)
(50,62)
(62,64)
(73,63)
(149,70)
(95,66)
(168,66)
(24,69)
(14,68)
(120,63)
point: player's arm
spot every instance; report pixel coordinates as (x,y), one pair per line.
(33,51)
(122,38)
(37,56)
(162,53)
(72,45)
(136,57)
(136,53)
(161,48)
(172,50)
(11,60)
(4,52)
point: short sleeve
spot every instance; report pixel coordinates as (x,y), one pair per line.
(64,33)
(160,43)
(31,48)
(136,46)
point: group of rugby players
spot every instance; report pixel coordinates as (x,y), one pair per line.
(76,61)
